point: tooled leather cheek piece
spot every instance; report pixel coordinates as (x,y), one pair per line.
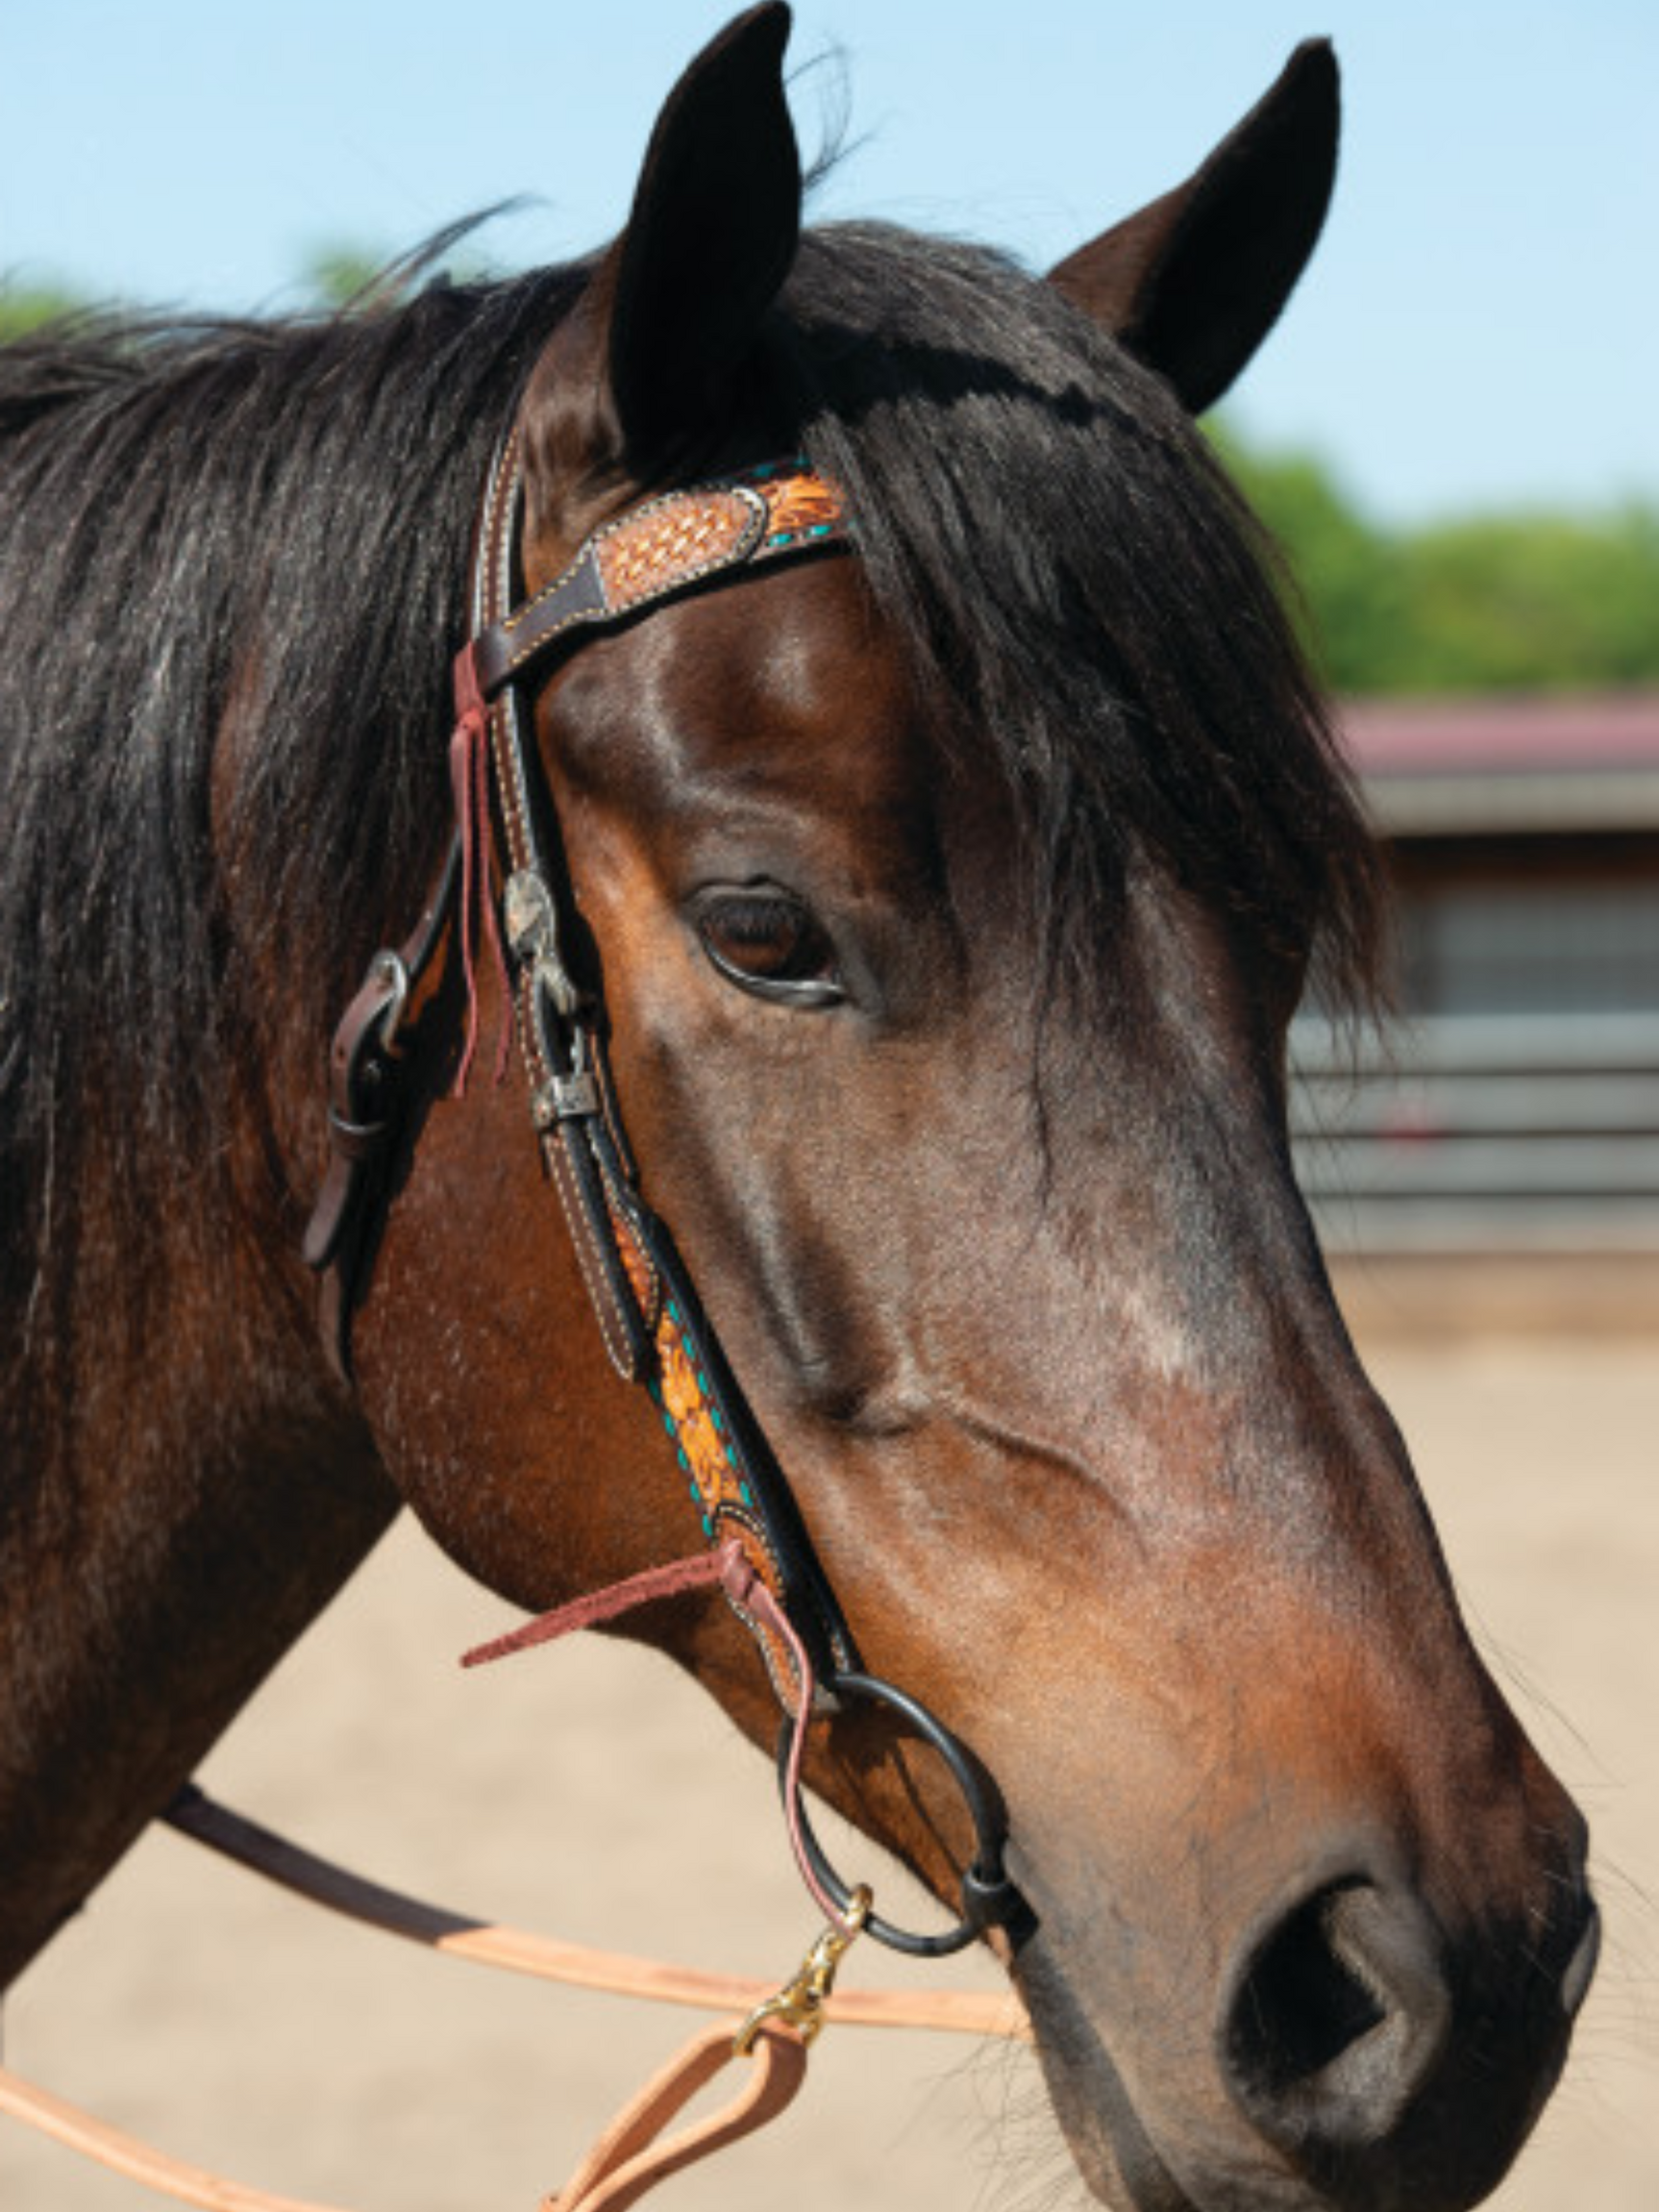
(650,1318)
(652,1325)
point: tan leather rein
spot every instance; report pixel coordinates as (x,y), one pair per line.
(631,2157)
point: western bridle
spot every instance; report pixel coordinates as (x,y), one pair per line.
(655,1331)
(655,1328)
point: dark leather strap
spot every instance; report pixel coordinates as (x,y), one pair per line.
(365,1103)
(650,1320)
(660,551)
(652,1325)
(558,1024)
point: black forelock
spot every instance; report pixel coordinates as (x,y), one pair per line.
(1083,592)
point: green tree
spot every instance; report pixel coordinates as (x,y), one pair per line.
(24,308)
(1533,601)
(337,276)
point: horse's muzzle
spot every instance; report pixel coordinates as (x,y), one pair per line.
(1373,2055)
(1387,2061)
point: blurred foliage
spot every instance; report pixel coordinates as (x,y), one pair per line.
(24,308)
(334,277)
(338,274)
(1520,602)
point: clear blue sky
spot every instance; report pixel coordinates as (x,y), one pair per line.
(1481,326)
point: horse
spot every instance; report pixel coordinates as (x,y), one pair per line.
(939,897)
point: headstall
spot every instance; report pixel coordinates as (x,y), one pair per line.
(653,1324)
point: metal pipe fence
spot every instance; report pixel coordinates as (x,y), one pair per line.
(1482,1131)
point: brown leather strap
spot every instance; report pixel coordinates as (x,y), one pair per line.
(363,1110)
(515,1950)
(141,2162)
(656,551)
(560,1042)
(648,554)
(625,2163)
(703,1571)
(627,2160)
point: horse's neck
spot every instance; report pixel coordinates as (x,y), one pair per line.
(167,1527)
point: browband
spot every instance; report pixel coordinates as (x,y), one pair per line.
(657,551)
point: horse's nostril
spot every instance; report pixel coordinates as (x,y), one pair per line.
(1337,2018)
(1303,2005)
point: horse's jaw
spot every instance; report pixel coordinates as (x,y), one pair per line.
(1112,2151)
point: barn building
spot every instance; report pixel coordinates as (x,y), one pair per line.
(1515,1110)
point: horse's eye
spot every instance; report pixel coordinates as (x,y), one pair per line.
(771,944)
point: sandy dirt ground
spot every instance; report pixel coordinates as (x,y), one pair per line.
(593,1794)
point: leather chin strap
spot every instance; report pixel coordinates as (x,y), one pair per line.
(652,1323)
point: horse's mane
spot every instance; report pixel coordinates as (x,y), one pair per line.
(261,529)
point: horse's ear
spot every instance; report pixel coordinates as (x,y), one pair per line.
(712,236)
(1194,282)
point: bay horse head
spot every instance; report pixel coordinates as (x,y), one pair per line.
(949,903)
(946,896)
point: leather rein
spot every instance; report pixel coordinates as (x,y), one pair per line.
(773,2031)
(655,1330)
